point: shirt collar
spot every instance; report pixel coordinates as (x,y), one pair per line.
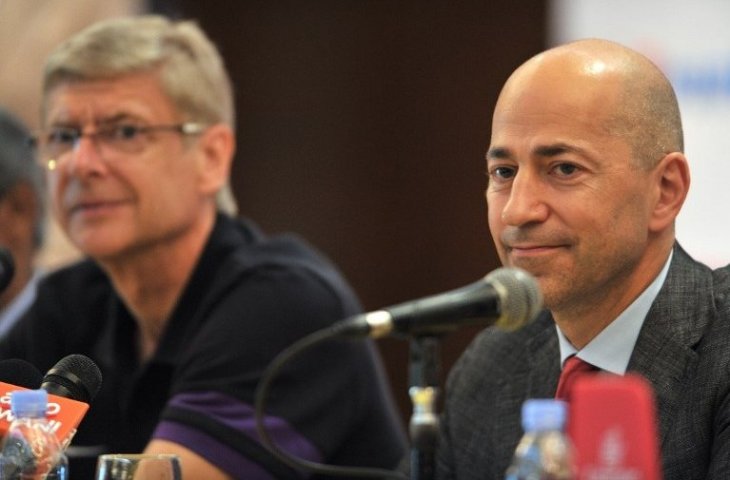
(17,307)
(611,349)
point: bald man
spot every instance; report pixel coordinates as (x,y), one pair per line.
(586,178)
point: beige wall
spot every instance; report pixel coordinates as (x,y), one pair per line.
(29,30)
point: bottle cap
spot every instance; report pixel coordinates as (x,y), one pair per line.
(29,403)
(543,414)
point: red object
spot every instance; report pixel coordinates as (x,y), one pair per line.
(64,414)
(612,424)
(573,369)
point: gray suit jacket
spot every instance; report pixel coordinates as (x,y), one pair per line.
(683,349)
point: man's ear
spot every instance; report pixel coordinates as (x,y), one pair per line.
(217,144)
(672,184)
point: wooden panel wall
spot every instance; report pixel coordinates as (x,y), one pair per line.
(363,126)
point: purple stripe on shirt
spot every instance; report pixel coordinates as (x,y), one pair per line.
(227,410)
(217,453)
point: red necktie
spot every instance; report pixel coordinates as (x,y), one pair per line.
(574,368)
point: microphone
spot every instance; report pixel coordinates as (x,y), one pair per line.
(7,268)
(15,374)
(75,376)
(75,379)
(71,385)
(17,371)
(612,424)
(507,297)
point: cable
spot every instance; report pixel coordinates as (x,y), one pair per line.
(262,391)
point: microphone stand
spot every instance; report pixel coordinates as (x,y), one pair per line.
(424,423)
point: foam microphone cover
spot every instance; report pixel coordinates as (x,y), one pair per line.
(612,424)
(75,376)
(71,385)
(63,414)
(17,371)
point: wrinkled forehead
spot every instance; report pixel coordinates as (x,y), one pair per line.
(131,95)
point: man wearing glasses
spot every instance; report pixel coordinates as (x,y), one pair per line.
(180,305)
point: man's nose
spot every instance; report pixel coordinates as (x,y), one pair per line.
(527,202)
(85,155)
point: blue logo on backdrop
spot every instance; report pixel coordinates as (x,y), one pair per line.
(701,79)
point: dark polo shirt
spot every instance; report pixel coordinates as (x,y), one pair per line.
(248,299)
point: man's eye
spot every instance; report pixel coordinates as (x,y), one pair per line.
(119,133)
(502,173)
(566,169)
(63,136)
(124,132)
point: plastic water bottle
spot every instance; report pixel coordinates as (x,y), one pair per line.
(30,450)
(544,452)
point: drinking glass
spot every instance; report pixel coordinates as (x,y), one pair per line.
(139,466)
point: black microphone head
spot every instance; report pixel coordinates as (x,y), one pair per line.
(20,373)
(75,376)
(7,268)
(520,296)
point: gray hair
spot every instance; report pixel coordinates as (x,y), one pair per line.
(192,72)
(18,165)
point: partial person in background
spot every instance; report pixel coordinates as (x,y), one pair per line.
(21,217)
(181,305)
(586,178)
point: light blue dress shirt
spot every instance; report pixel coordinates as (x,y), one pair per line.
(611,349)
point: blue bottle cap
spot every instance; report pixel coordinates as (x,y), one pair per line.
(29,403)
(543,414)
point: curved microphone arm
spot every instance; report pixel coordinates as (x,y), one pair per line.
(262,391)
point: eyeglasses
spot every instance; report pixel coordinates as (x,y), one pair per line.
(57,142)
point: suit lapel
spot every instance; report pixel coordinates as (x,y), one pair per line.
(544,359)
(667,364)
(664,353)
(535,377)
